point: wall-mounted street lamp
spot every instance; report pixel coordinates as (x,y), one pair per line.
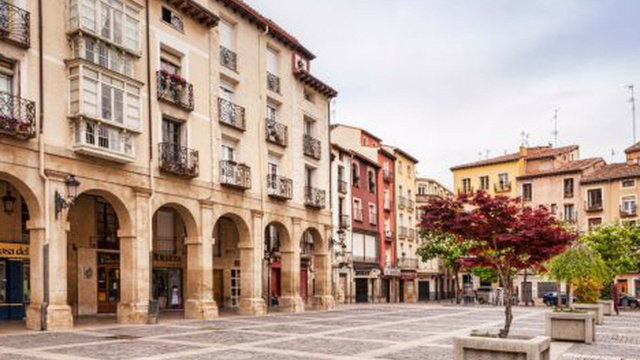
(9,203)
(72,184)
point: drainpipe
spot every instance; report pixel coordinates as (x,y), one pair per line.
(261,83)
(41,167)
(152,311)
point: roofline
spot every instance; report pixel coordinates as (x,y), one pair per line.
(433,180)
(609,179)
(318,85)
(387,153)
(591,162)
(470,166)
(365,159)
(405,154)
(333,126)
(196,11)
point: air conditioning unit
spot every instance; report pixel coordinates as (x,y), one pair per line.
(300,64)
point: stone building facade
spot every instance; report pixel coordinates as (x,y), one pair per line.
(197,140)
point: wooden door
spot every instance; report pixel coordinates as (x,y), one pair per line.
(218,286)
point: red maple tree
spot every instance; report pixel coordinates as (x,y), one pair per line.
(502,234)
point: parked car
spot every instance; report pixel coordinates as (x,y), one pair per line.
(628,300)
(551,298)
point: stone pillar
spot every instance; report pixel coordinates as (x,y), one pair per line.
(251,254)
(58,311)
(290,301)
(323,299)
(200,304)
(135,264)
(36,273)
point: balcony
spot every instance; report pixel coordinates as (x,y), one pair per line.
(502,187)
(314,198)
(17,117)
(408,263)
(466,191)
(175,90)
(231,114)
(342,187)
(345,221)
(410,205)
(389,234)
(570,217)
(568,194)
(373,218)
(387,205)
(357,215)
(593,207)
(279,187)
(408,233)
(628,211)
(273,82)
(276,132)
(228,58)
(235,175)
(402,202)
(312,147)
(387,175)
(365,259)
(15,24)
(178,160)
(103,141)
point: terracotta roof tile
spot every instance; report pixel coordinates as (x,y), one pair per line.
(635,147)
(533,153)
(612,172)
(567,168)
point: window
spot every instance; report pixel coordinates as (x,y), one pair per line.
(355,175)
(594,199)
(400,191)
(272,112)
(568,188)
(400,167)
(373,215)
(627,183)
(527,192)
(228,150)
(594,222)
(554,209)
(109,19)
(357,209)
(569,213)
(227,36)
(387,205)
(272,62)
(484,183)
(170,62)
(171,132)
(309,173)
(628,205)
(172,19)
(466,185)
(503,179)
(308,126)
(102,97)
(308,96)
(422,190)
(371,181)
(6,78)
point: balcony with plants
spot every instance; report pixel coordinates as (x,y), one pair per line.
(279,187)
(17,117)
(231,114)
(15,25)
(235,175)
(178,160)
(174,89)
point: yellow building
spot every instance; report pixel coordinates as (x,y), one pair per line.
(159,155)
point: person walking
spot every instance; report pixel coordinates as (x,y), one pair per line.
(615,296)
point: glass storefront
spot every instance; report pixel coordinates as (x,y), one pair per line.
(167,288)
(14,288)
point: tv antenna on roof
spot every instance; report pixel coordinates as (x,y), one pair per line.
(555,127)
(632,100)
(613,154)
(524,139)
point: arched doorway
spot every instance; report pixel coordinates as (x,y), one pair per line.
(275,238)
(227,272)
(15,270)
(169,259)
(310,247)
(94,271)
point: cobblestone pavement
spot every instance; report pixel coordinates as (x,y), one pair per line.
(392,332)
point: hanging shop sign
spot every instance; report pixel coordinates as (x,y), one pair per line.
(166,260)
(391,272)
(14,251)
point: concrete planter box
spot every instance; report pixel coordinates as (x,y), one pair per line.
(609,308)
(596,309)
(513,348)
(571,326)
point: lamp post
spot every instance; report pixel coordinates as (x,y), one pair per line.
(72,184)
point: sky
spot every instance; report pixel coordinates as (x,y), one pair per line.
(446,80)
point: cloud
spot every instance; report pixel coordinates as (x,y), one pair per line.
(448,79)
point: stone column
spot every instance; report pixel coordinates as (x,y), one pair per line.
(200,303)
(323,299)
(58,311)
(291,301)
(36,273)
(251,254)
(135,264)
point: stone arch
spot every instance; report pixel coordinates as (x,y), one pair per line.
(284,234)
(123,212)
(319,242)
(27,193)
(187,213)
(242,227)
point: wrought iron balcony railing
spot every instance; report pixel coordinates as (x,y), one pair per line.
(345,221)
(231,114)
(365,259)
(178,160)
(17,116)
(410,205)
(175,90)
(314,197)
(593,206)
(568,194)
(235,175)
(273,82)
(502,187)
(387,175)
(629,211)
(402,202)
(342,187)
(408,263)
(168,245)
(15,24)
(312,147)
(276,132)
(279,187)
(228,58)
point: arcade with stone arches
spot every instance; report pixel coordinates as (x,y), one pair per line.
(119,250)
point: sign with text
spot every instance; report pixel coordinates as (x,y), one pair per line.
(11,250)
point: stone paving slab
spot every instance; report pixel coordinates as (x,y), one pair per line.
(122,350)
(46,339)
(420,352)
(378,334)
(242,355)
(292,329)
(224,337)
(143,330)
(317,345)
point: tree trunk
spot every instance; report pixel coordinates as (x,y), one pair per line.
(508,310)
(569,300)
(559,299)
(457,286)
(524,289)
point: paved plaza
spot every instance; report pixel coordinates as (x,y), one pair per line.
(393,332)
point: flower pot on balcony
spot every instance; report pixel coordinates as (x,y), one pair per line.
(511,348)
(596,309)
(609,308)
(571,326)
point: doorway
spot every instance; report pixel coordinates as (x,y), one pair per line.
(362,290)
(401,291)
(424,293)
(108,282)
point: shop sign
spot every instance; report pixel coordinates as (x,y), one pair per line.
(343,271)
(167,260)
(391,272)
(408,276)
(11,250)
